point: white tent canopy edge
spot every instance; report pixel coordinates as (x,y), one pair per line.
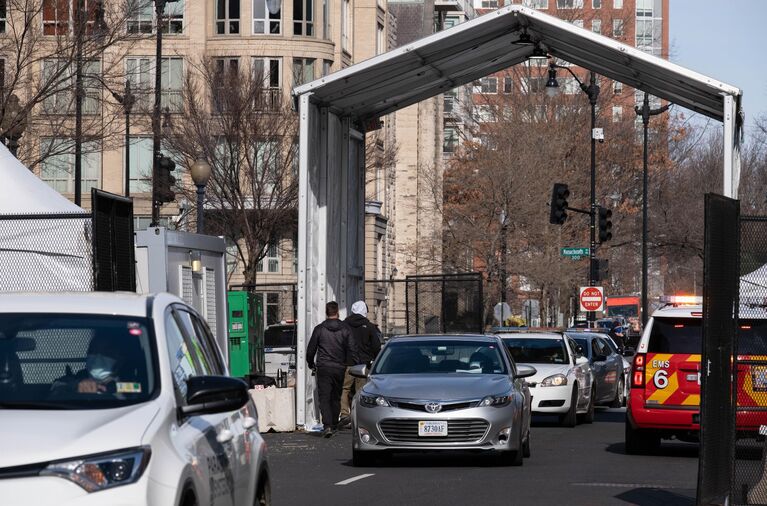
(330,161)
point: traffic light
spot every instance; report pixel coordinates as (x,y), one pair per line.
(559,204)
(605,224)
(165,180)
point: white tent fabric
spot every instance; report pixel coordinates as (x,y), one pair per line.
(45,240)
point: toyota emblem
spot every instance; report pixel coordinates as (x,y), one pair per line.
(433,407)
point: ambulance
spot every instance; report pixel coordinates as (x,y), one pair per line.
(664,399)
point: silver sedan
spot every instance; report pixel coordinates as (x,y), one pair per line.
(442,393)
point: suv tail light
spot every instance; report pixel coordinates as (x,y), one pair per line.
(637,371)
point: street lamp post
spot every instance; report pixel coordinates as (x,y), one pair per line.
(592,91)
(156,132)
(200,175)
(645,112)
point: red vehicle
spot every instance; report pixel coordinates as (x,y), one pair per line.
(664,400)
(627,306)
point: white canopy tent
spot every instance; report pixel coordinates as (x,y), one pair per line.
(44,238)
(334,109)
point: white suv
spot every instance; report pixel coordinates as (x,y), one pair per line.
(121,399)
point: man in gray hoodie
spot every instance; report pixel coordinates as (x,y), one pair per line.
(331,347)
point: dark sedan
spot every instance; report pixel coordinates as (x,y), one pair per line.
(606,366)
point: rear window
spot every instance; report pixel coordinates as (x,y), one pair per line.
(676,335)
(280,337)
(752,337)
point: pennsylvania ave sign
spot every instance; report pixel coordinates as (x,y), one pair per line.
(591,298)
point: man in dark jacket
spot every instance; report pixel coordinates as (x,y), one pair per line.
(368,340)
(330,348)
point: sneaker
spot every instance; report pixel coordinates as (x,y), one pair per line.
(327,433)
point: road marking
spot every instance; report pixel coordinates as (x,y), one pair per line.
(631,485)
(355,478)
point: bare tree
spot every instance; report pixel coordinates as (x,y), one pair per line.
(248,134)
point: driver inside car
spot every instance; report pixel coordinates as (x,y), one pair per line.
(100,374)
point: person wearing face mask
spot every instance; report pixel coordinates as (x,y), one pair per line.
(100,372)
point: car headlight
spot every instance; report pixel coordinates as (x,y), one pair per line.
(371,401)
(102,471)
(557,380)
(495,400)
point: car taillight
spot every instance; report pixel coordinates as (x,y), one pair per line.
(637,371)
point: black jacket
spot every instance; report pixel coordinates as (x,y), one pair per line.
(366,334)
(333,344)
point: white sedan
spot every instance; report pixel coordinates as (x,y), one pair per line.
(121,399)
(563,384)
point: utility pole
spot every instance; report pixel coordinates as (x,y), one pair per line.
(645,112)
(593,93)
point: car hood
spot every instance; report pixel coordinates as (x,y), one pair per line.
(546,370)
(36,436)
(443,387)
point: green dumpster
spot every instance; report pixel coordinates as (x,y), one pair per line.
(246,322)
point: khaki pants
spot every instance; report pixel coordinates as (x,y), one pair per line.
(352,385)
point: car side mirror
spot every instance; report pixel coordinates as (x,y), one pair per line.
(359,371)
(214,394)
(525,371)
(579,350)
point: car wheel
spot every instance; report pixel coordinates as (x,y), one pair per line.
(264,493)
(620,397)
(526,446)
(641,442)
(570,419)
(588,416)
(362,459)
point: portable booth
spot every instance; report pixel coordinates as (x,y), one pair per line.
(335,109)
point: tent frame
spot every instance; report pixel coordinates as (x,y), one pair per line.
(333,110)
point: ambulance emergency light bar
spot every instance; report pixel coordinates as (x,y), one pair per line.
(682,300)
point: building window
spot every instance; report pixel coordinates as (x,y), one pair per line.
(303,17)
(380,39)
(617,113)
(141,76)
(264,20)
(2,16)
(508,85)
(596,4)
(449,101)
(578,23)
(489,4)
(303,70)
(483,114)
(227,73)
(142,20)
(489,85)
(617,28)
(596,25)
(346,25)
(141,164)
(227,17)
(450,22)
(326,19)
(143,222)
(173,21)
(644,8)
(569,4)
(327,67)
(269,71)
(271,261)
(272,304)
(617,4)
(450,140)
(57,168)
(617,88)
(533,84)
(536,4)
(59,76)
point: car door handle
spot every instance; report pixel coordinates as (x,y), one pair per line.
(249,422)
(224,436)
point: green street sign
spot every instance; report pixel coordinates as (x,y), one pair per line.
(575,253)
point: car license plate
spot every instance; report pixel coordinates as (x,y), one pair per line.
(432,428)
(759,378)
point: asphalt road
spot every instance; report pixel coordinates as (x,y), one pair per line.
(585,465)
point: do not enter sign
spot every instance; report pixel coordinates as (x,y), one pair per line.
(591,298)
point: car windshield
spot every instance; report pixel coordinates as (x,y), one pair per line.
(280,337)
(440,357)
(626,311)
(537,351)
(676,335)
(752,337)
(57,361)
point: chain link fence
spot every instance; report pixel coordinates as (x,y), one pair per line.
(444,303)
(51,253)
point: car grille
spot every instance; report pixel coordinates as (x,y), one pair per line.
(415,406)
(458,431)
